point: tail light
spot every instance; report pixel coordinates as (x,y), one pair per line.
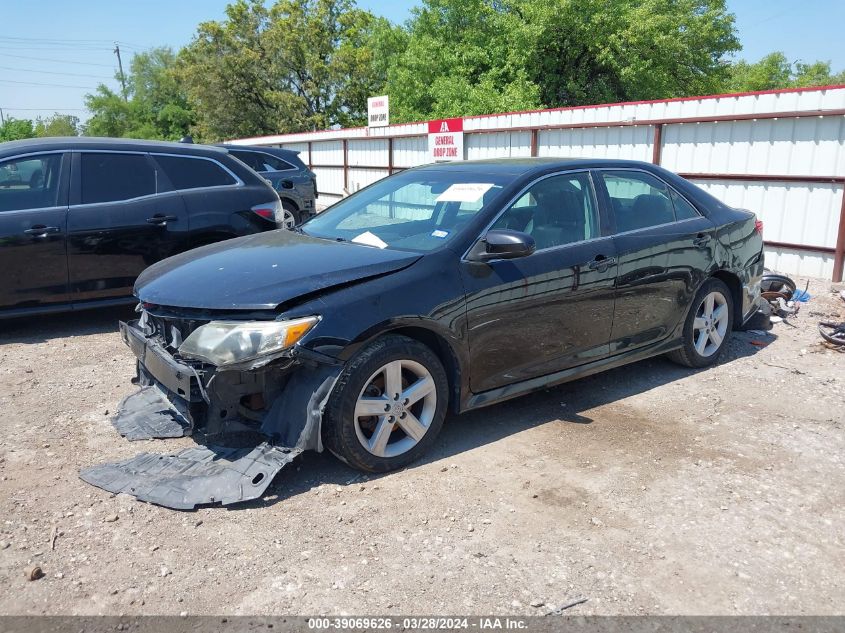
(270,211)
(758,226)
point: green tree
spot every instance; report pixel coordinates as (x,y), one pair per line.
(595,51)
(16,129)
(480,56)
(156,105)
(299,65)
(462,57)
(57,125)
(775,71)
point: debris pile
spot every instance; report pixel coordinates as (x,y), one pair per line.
(834,333)
(781,298)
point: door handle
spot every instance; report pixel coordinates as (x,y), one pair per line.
(162,219)
(39,230)
(602,263)
(701,240)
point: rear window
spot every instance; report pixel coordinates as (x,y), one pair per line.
(193,173)
(110,177)
(261,161)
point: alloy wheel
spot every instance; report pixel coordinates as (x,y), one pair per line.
(711,324)
(288,220)
(395,408)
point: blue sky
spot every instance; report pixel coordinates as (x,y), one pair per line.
(52,52)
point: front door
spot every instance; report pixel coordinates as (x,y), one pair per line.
(664,247)
(123,217)
(33,224)
(553,309)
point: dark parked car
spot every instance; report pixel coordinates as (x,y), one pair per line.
(80,218)
(445,287)
(290,177)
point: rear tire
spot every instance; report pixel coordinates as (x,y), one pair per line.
(291,215)
(388,405)
(708,326)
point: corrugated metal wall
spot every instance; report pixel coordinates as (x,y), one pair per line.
(780,154)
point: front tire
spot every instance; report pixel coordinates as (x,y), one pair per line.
(708,326)
(388,405)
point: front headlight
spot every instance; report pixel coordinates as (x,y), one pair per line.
(227,342)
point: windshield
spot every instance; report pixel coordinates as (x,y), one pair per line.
(414,210)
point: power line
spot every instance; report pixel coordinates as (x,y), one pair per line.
(53,72)
(33,83)
(58,61)
(43,109)
(49,39)
(53,49)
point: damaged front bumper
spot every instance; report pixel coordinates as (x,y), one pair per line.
(249,423)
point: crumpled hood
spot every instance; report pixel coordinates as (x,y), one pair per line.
(262,271)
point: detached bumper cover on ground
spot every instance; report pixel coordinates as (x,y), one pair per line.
(241,447)
(194,476)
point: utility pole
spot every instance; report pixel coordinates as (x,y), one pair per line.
(2,118)
(120,65)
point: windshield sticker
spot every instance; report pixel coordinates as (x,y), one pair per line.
(465,192)
(369,239)
(439,233)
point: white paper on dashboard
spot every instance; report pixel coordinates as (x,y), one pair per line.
(370,239)
(465,192)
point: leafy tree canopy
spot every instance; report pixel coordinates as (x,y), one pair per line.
(298,65)
(775,71)
(155,106)
(16,129)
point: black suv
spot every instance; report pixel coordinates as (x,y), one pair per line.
(80,218)
(292,180)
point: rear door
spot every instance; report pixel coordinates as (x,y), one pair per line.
(665,249)
(123,217)
(551,310)
(33,224)
(216,199)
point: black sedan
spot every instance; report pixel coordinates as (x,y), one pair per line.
(445,287)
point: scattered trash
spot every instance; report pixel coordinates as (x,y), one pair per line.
(759,343)
(782,298)
(34,573)
(833,333)
(53,536)
(574,603)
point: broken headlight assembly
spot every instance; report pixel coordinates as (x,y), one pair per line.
(224,343)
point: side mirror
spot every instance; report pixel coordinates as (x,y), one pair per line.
(503,244)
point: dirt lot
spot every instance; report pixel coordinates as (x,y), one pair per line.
(648,489)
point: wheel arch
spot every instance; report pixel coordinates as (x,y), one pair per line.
(735,286)
(442,348)
(290,201)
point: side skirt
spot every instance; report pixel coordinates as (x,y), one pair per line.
(495,396)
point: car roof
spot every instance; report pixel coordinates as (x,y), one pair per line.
(95,143)
(273,151)
(524,166)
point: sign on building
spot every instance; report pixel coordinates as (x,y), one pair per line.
(378,111)
(446,140)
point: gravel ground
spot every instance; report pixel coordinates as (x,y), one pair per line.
(646,489)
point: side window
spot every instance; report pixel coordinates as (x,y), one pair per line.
(250,159)
(109,177)
(683,209)
(555,211)
(261,161)
(639,200)
(193,173)
(30,183)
